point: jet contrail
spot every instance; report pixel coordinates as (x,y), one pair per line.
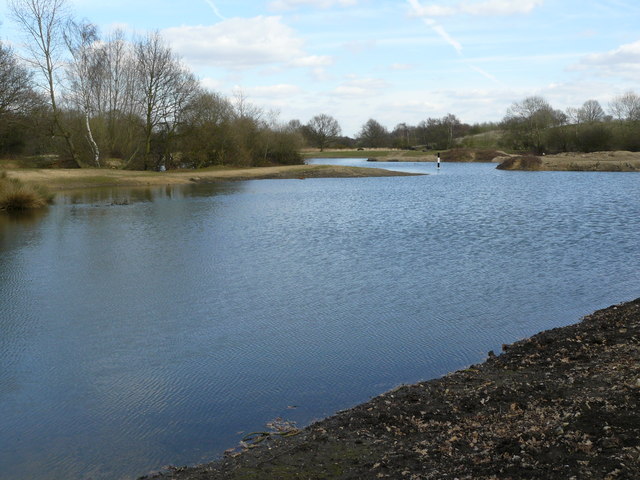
(215,9)
(439,29)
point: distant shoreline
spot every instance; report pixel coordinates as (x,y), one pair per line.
(606,161)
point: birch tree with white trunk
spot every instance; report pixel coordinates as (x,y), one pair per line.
(86,75)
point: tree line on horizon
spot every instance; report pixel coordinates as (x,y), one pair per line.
(90,99)
(531,125)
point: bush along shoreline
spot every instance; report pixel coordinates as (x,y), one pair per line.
(17,196)
(562,404)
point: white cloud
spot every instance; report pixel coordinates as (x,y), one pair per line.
(485,7)
(397,67)
(242,43)
(360,87)
(291,4)
(274,91)
(213,84)
(313,61)
(624,55)
(623,61)
(360,46)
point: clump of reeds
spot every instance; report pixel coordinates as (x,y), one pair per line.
(15,195)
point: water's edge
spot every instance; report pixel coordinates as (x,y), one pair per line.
(382,435)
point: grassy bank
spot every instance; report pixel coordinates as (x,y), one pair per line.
(562,404)
(618,161)
(64,179)
(16,195)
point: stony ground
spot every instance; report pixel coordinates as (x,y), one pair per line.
(560,405)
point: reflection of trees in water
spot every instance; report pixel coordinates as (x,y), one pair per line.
(12,222)
(111,196)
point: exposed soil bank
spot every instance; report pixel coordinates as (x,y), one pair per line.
(63,179)
(618,161)
(560,405)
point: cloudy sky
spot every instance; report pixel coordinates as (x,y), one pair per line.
(392,60)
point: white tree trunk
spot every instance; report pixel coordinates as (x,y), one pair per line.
(94,146)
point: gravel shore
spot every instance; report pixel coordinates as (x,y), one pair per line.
(562,404)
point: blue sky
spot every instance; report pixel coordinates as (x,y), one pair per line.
(395,61)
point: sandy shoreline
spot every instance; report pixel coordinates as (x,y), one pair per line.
(562,404)
(65,179)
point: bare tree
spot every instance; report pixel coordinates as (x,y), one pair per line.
(165,88)
(323,129)
(403,135)
(154,67)
(590,112)
(184,88)
(626,106)
(85,74)
(16,85)
(528,120)
(373,134)
(117,102)
(452,124)
(208,109)
(42,22)
(244,108)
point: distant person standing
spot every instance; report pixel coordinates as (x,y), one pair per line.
(438,161)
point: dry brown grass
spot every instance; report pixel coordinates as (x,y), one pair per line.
(65,179)
(15,195)
(614,161)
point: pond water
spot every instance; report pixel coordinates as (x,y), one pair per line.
(141,328)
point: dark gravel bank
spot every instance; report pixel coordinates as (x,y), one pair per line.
(562,404)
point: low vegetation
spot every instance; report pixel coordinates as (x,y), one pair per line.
(618,161)
(471,155)
(16,195)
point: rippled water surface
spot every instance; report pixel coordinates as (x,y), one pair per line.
(145,328)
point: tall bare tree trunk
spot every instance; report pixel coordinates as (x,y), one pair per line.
(94,146)
(42,22)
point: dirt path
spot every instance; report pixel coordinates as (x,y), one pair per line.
(560,405)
